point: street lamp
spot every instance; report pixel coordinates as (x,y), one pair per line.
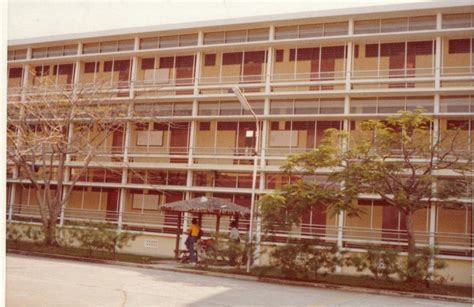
(246,105)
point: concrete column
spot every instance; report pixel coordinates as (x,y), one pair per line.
(348,72)
(339,244)
(25,81)
(125,164)
(24,89)
(12,194)
(264,141)
(67,174)
(439,21)
(438,62)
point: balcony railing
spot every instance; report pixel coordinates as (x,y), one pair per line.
(459,244)
(249,83)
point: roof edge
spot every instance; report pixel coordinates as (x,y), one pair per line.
(245,20)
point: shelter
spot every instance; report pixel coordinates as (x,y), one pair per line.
(204,205)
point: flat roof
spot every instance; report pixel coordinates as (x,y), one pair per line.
(249,20)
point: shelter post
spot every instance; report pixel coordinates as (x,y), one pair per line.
(178,235)
(218,225)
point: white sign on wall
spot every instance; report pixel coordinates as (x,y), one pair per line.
(146,201)
(283,138)
(152,138)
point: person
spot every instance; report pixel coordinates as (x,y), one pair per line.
(193,236)
(234,234)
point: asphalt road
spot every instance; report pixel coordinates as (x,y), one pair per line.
(33,281)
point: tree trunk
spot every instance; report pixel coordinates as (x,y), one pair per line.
(411,248)
(50,233)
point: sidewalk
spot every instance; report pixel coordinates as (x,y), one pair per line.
(171,265)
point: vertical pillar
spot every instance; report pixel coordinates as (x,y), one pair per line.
(133,77)
(127,131)
(264,141)
(24,89)
(12,194)
(346,128)
(438,62)
(67,174)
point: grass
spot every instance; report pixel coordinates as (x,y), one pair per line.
(80,252)
(363,281)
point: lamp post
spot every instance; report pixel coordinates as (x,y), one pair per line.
(246,105)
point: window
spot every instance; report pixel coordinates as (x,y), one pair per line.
(337,28)
(230,108)
(210,59)
(331,106)
(204,126)
(310,31)
(90,48)
(281,107)
(459,46)
(235,36)
(306,106)
(279,55)
(183,109)
(169,41)
(91,67)
(454,104)
(188,40)
(122,65)
(167,62)
(126,45)
(423,102)
(391,104)
(257,35)
(451,21)
(286,32)
(63,69)
(15,72)
(232,58)
(39,53)
(394,25)
(70,50)
(364,105)
(55,51)
(367,26)
(460,125)
(20,54)
(108,46)
(149,43)
(214,38)
(422,23)
(16,54)
(148,63)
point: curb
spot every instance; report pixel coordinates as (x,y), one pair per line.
(271,280)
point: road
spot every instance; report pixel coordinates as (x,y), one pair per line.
(33,281)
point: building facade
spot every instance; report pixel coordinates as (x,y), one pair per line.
(302,74)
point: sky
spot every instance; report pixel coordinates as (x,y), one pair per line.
(38,18)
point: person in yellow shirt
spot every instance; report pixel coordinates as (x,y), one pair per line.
(193,235)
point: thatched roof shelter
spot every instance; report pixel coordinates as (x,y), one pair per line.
(203,205)
(206,205)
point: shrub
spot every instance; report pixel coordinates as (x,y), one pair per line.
(34,234)
(101,236)
(223,251)
(421,272)
(13,234)
(305,258)
(380,262)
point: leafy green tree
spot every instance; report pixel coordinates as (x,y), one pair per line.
(399,160)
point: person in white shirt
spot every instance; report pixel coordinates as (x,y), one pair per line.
(234,234)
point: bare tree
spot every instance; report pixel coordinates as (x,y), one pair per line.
(48,129)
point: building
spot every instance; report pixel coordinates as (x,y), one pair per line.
(302,73)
